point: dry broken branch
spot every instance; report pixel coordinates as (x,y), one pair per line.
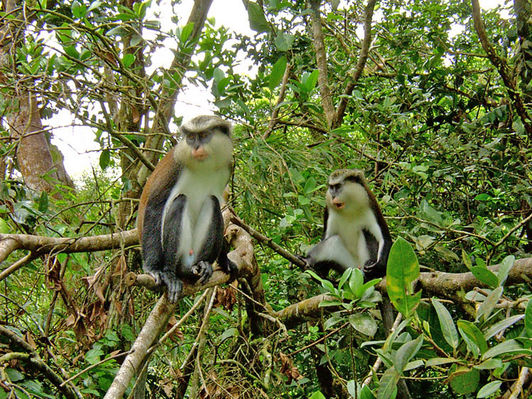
(35,361)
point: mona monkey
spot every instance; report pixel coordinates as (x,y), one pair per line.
(355,232)
(179,218)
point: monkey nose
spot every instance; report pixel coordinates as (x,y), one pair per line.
(199,153)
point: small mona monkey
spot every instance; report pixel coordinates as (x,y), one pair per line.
(355,232)
(179,218)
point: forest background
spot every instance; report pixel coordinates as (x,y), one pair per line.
(430,98)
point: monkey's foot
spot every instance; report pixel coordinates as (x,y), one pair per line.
(174,286)
(203,271)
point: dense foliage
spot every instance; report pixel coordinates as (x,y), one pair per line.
(442,135)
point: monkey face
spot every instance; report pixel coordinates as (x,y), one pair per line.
(207,149)
(346,192)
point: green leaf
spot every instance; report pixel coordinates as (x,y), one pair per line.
(309,80)
(438,361)
(356,281)
(490,364)
(4,227)
(489,389)
(71,51)
(446,323)
(504,269)
(365,393)
(229,333)
(469,330)
(364,323)
(105,159)
(14,375)
(345,276)
(464,380)
(93,356)
(486,307)
(128,60)
(528,319)
(466,260)
(486,276)
(78,10)
(508,347)
(502,325)
(283,41)
(257,20)
(406,352)
(186,31)
(43,202)
(388,384)
(401,272)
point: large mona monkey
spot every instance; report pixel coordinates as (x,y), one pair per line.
(179,218)
(355,232)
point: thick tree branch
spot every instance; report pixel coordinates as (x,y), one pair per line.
(361,63)
(441,284)
(321,61)
(41,244)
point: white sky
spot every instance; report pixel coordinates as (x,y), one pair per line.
(76,143)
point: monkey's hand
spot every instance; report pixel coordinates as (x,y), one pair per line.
(202,270)
(373,270)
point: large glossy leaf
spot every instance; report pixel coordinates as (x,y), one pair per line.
(401,272)
(446,323)
(469,330)
(406,352)
(464,380)
(388,384)
(485,309)
(364,323)
(277,73)
(504,269)
(528,319)
(485,276)
(489,389)
(508,347)
(257,20)
(502,325)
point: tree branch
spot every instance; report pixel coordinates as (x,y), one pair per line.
(502,66)
(321,61)
(35,360)
(361,63)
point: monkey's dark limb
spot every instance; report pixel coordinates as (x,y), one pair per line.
(269,242)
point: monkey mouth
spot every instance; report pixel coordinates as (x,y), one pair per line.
(200,155)
(339,204)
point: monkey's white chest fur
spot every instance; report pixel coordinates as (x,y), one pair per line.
(197,186)
(349,229)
